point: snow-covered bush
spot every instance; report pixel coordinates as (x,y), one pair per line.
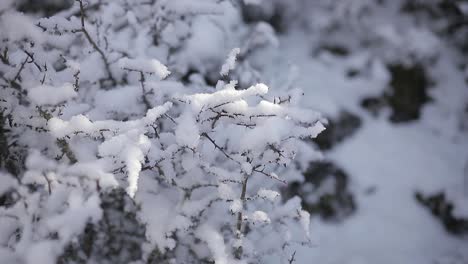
(119,144)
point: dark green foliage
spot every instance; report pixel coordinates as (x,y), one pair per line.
(8,161)
(116,238)
(408,92)
(453,22)
(3,141)
(442,209)
(47,7)
(334,49)
(337,130)
(373,104)
(274,16)
(337,202)
(331,204)
(7,199)
(406,95)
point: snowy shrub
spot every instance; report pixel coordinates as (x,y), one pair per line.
(120,145)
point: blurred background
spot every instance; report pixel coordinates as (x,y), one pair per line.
(391,77)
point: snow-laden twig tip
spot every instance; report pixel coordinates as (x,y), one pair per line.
(230,62)
(150,66)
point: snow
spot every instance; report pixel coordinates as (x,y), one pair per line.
(268,194)
(253,2)
(82,124)
(4,5)
(304,219)
(130,148)
(247,168)
(94,170)
(215,243)
(390,226)
(205,42)
(230,62)
(184,148)
(187,133)
(236,206)
(73,221)
(316,130)
(156,112)
(11,21)
(43,252)
(397,160)
(51,95)
(122,100)
(157,223)
(7,183)
(226,192)
(145,65)
(259,217)
(224,96)
(188,6)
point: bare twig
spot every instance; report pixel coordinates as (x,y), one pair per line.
(93,43)
(292,258)
(76,85)
(204,134)
(143,91)
(18,74)
(271,176)
(4,57)
(242,198)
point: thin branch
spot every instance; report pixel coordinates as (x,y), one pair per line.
(4,57)
(31,56)
(18,74)
(239,250)
(271,176)
(292,258)
(143,91)
(76,85)
(93,43)
(242,198)
(204,134)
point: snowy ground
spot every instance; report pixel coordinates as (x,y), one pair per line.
(389,226)
(395,160)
